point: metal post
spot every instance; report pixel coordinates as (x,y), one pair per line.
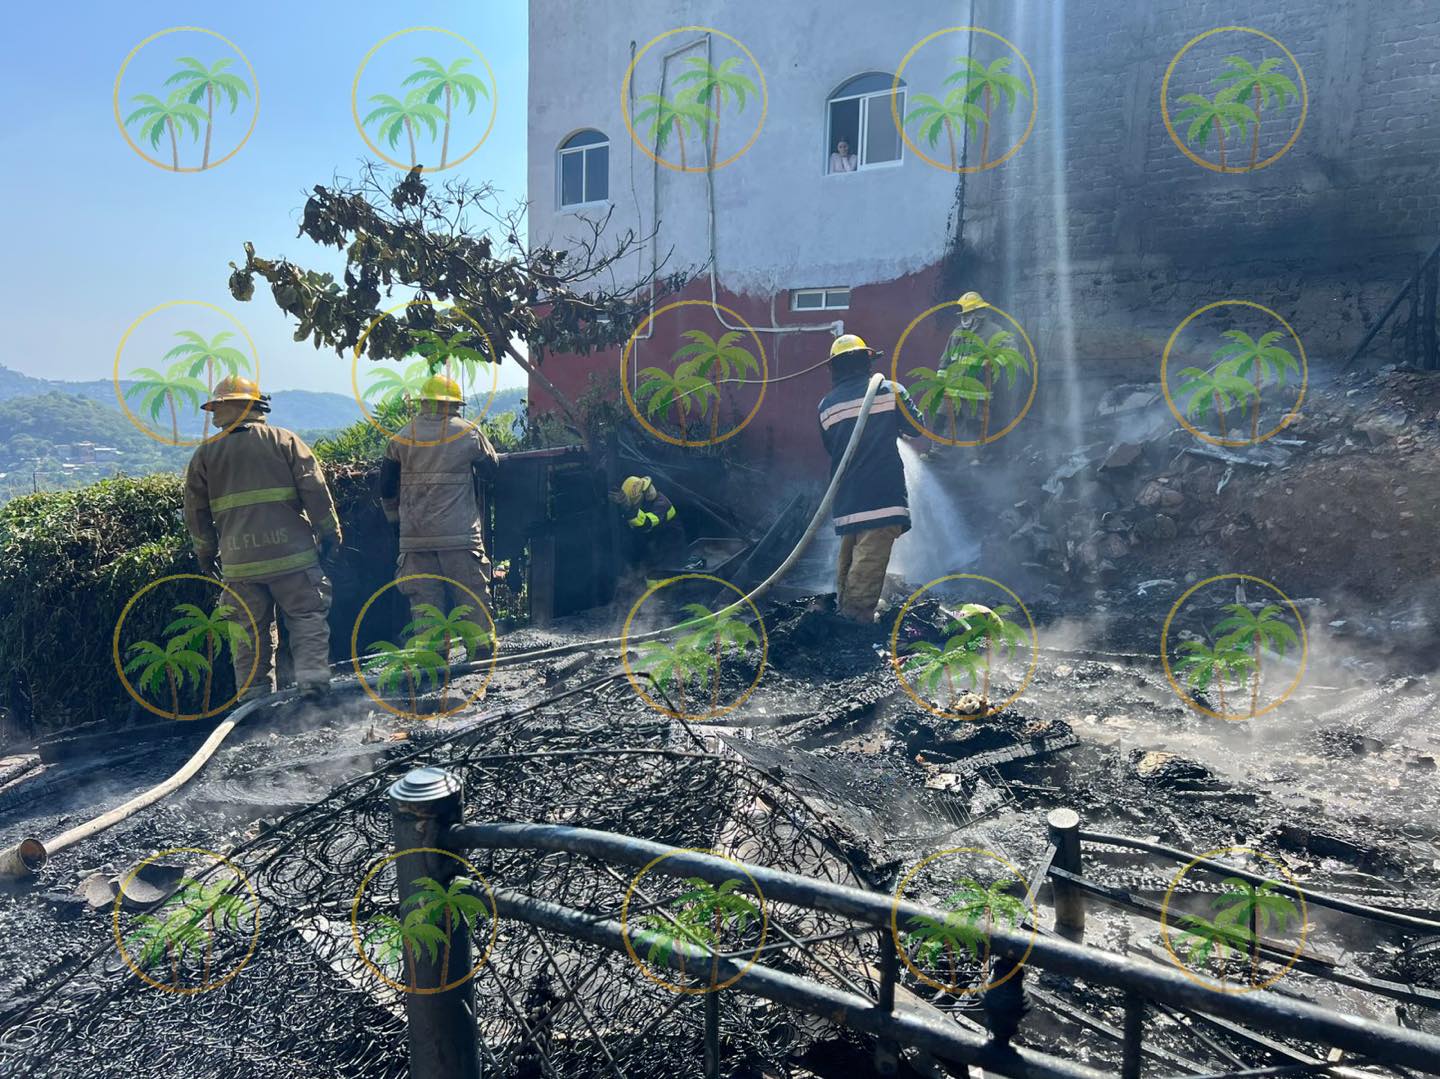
(440,1025)
(1134,1032)
(1069,900)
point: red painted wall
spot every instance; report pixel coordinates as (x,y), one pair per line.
(784,435)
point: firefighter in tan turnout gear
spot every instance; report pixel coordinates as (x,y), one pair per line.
(256,505)
(429,485)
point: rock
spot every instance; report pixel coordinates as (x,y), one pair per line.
(1169,769)
(1121,455)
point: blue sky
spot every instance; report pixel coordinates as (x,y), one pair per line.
(96,236)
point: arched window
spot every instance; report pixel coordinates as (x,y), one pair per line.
(858,116)
(583,170)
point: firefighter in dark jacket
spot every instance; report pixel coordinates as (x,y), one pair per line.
(656,536)
(257,506)
(871,509)
(430,486)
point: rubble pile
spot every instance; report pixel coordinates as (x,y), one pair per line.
(1348,485)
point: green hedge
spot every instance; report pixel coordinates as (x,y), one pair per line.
(69,561)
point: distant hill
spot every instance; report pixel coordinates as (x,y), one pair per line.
(57,434)
(305,410)
(308,409)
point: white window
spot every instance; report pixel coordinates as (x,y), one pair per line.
(820,299)
(582,174)
(860,131)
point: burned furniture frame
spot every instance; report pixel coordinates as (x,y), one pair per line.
(552,521)
(443,1037)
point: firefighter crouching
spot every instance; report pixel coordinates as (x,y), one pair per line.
(256,506)
(656,537)
(430,486)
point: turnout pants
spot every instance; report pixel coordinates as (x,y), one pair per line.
(860,575)
(303,600)
(466,567)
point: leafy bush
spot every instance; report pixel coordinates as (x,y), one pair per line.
(69,562)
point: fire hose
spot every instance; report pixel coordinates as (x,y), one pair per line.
(26,858)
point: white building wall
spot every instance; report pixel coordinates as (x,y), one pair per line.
(781,221)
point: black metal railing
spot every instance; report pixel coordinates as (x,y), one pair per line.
(1411,335)
(443,1035)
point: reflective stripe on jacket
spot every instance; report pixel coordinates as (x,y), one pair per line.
(652,511)
(437,503)
(872,491)
(256,496)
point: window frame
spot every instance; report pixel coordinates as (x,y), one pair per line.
(862,125)
(824,293)
(561,151)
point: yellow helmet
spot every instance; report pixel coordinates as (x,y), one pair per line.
(848,342)
(441,388)
(971,301)
(232,388)
(635,488)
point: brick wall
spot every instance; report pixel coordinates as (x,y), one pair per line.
(1325,235)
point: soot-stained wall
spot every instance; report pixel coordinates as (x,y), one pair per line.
(1102,235)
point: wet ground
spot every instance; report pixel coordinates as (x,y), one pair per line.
(1338,785)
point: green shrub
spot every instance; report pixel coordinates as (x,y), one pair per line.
(69,562)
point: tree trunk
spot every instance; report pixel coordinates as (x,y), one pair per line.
(1254,946)
(174,419)
(954,420)
(950,685)
(1255,137)
(1220,415)
(209,123)
(1220,137)
(445,959)
(1255,678)
(174,146)
(950,134)
(715,689)
(679,141)
(985,407)
(1255,416)
(445,141)
(174,695)
(209,671)
(410,134)
(209,392)
(409,953)
(985,138)
(715,132)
